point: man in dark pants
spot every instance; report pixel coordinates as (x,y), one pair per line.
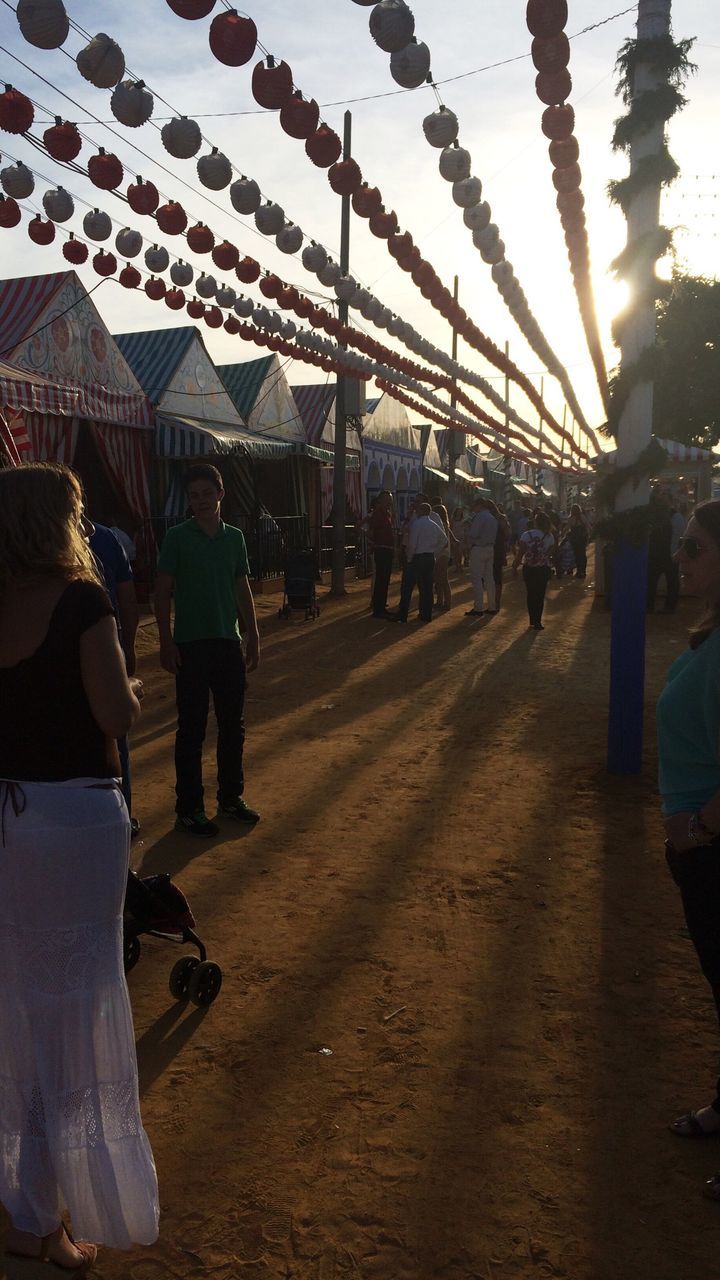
(660,562)
(205,561)
(382,535)
(427,538)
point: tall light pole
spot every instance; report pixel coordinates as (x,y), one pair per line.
(455,440)
(337,577)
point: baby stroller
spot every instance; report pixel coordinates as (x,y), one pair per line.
(299,587)
(155,906)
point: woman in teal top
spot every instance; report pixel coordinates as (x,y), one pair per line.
(688,718)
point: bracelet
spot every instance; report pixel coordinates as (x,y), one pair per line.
(698,832)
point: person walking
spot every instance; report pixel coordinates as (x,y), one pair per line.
(481,534)
(535,551)
(426,538)
(71,1134)
(500,546)
(459,532)
(441,579)
(204,561)
(577,536)
(381,530)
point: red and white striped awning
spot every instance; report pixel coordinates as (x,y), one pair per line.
(676,453)
(20,389)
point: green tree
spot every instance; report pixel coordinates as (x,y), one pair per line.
(687,385)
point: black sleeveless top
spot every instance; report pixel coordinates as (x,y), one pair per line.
(47,730)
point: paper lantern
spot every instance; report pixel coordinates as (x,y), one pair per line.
(226,256)
(130,277)
(392,25)
(102,62)
(551,55)
(105,263)
(328,275)
(58,204)
(366,201)
(233,39)
(269,218)
(323,147)
(553,88)
(16,111)
(143,196)
(62,140)
(454,163)
(400,245)
(157,259)
(243,307)
(75,251)
(213,317)
(290,239)
(546,17)
(215,170)
(195,309)
(411,261)
(206,286)
(200,238)
(288,296)
(477,217)
(486,238)
(383,224)
(155,289)
(270,285)
(410,67)
(570,202)
(181,137)
(231,325)
(261,317)
(564,152)
(43,23)
(298,117)
(314,257)
(226,296)
(345,288)
(192,9)
(17,181)
(41,232)
(567,179)
(558,122)
(105,170)
(174,299)
(288,329)
(245,195)
(171,218)
(502,273)
(128,243)
(441,127)
(9,212)
(131,103)
(345,177)
(97,225)
(182,274)
(247,270)
(467,192)
(272,84)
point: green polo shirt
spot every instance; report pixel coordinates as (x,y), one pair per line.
(204,571)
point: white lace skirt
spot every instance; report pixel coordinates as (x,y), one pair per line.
(70,1129)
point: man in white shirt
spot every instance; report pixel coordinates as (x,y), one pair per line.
(482,532)
(426,538)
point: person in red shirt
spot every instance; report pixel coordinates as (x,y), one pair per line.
(381,528)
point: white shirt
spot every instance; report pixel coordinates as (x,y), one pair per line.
(482,529)
(426,537)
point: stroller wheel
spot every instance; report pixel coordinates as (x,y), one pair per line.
(131,952)
(205,983)
(180,975)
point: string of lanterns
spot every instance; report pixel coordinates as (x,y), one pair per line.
(550,50)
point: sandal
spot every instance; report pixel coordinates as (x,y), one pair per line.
(23,1266)
(688,1126)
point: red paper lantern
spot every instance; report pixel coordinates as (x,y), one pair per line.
(270,286)
(569,202)
(9,212)
(75,251)
(273,342)
(316,317)
(231,325)
(413,260)
(272,84)
(323,147)
(383,225)
(175,299)
(551,55)
(143,196)
(554,87)
(287,297)
(558,122)
(303,307)
(41,232)
(345,177)
(573,224)
(105,170)
(16,111)
(258,338)
(171,218)
(546,17)
(200,238)
(332,326)
(366,201)
(564,153)
(298,117)
(155,288)
(247,270)
(192,8)
(213,317)
(105,263)
(130,277)
(400,245)
(62,140)
(195,309)
(226,256)
(567,179)
(233,39)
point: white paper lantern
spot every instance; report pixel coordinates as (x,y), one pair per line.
(384,317)
(102,62)
(128,243)
(373,310)
(467,192)
(359,299)
(157,259)
(441,127)
(261,317)
(288,329)
(97,225)
(494,253)
(270,218)
(225,297)
(181,137)
(345,288)
(478,216)
(454,163)
(243,307)
(392,25)
(215,170)
(486,237)
(395,327)
(329,274)
(314,257)
(17,181)
(131,103)
(502,273)
(245,195)
(410,67)
(182,274)
(274,322)
(43,23)
(206,286)
(58,204)
(290,239)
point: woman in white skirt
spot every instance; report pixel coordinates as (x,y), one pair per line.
(71,1136)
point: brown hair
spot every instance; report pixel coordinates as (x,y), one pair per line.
(441,510)
(708,517)
(203,471)
(40,535)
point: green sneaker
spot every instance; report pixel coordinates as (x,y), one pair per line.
(196,824)
(239,810)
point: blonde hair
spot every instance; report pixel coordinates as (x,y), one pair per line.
(40,533)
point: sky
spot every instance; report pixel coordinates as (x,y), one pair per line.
(334,59)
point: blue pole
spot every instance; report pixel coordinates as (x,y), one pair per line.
(628,584)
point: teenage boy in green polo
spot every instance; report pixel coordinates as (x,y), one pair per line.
(204,561)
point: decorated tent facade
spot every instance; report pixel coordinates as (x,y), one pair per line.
(391,452)
(316,403)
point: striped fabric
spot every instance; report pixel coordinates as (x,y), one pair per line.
(154,355)
(126,454)
(685,452)
(315,403)
(53,439)
(21,389)
(184,437)
(22,302)
(244,380)
(353,493)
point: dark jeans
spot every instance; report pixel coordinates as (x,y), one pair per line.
(418,572)
(217,667)
(383,557)
(656,570)
(536,578)
(697,875)
(579,549)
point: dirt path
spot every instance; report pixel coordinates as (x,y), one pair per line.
(448,893)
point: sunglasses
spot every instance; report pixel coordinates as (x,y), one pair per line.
(692,548)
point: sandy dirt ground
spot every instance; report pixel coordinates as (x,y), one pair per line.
(459,1007)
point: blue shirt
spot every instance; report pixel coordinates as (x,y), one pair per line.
(112,559)
(688,725)
(482,529)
